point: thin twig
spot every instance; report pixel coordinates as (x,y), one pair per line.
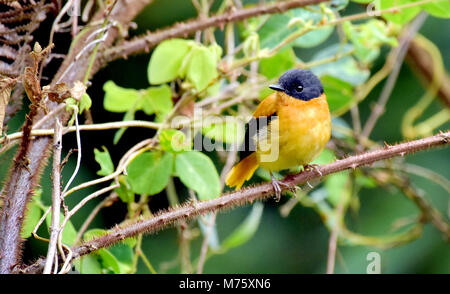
(91,127)
(332,244)
(56,197)
(77,167)
(105,202)
(77,207)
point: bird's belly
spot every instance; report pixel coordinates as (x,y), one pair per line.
(299,139)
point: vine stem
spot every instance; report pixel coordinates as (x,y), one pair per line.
(91,127)
(247,195)
(56,198)
(420,55)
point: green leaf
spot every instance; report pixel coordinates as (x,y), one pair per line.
(438,8)
(227,131)
(85,103)
(276,65)
(316,36)
(216,51)
(345,68)
(129,115)
(404,16)
(251,45)
(337,186)
(174,141)
(94,233)
(124,255)
(32,216)
(367,38)
(325,157)
(124,191)
(276,29)
(117,259)
(265,174)
(118,99)
(245,230)
(339,93)
(157,100)
(88,264)
(149,172)
(166,60)
(210,231)
(365,181)
(197,171)
(131,241)
(212,90)
(109,261)
(202,68)
(363,1)
(69,234)
(337,5)
(104,160)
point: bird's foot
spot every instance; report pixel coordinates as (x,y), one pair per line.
(314,167)
(277,188)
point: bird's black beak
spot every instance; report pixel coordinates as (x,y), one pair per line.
(276,87)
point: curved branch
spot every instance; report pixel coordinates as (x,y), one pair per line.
(244,196)
(145,43)
(421,60)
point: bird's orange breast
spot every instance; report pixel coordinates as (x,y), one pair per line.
(298,135)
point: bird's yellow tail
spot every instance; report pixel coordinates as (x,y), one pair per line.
(242,171)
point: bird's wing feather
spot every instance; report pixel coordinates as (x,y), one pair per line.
(267,107)
(263,115)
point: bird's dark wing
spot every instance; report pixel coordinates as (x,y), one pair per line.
(255,127)
(264,114)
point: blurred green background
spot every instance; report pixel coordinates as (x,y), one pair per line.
(298,243)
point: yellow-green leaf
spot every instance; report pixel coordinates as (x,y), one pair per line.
(166,60)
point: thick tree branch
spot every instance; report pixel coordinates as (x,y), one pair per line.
(144,43)
(22,180)
(248,195)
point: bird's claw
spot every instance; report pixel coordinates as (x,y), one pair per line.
(277,188)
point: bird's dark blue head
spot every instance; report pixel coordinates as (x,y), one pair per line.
(300,84)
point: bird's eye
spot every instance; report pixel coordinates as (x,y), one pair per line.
(299,88)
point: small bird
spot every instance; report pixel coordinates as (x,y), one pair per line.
(289,128)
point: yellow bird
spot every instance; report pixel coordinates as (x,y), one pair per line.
(289,128)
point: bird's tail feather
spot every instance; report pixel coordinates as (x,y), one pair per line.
(242,171)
